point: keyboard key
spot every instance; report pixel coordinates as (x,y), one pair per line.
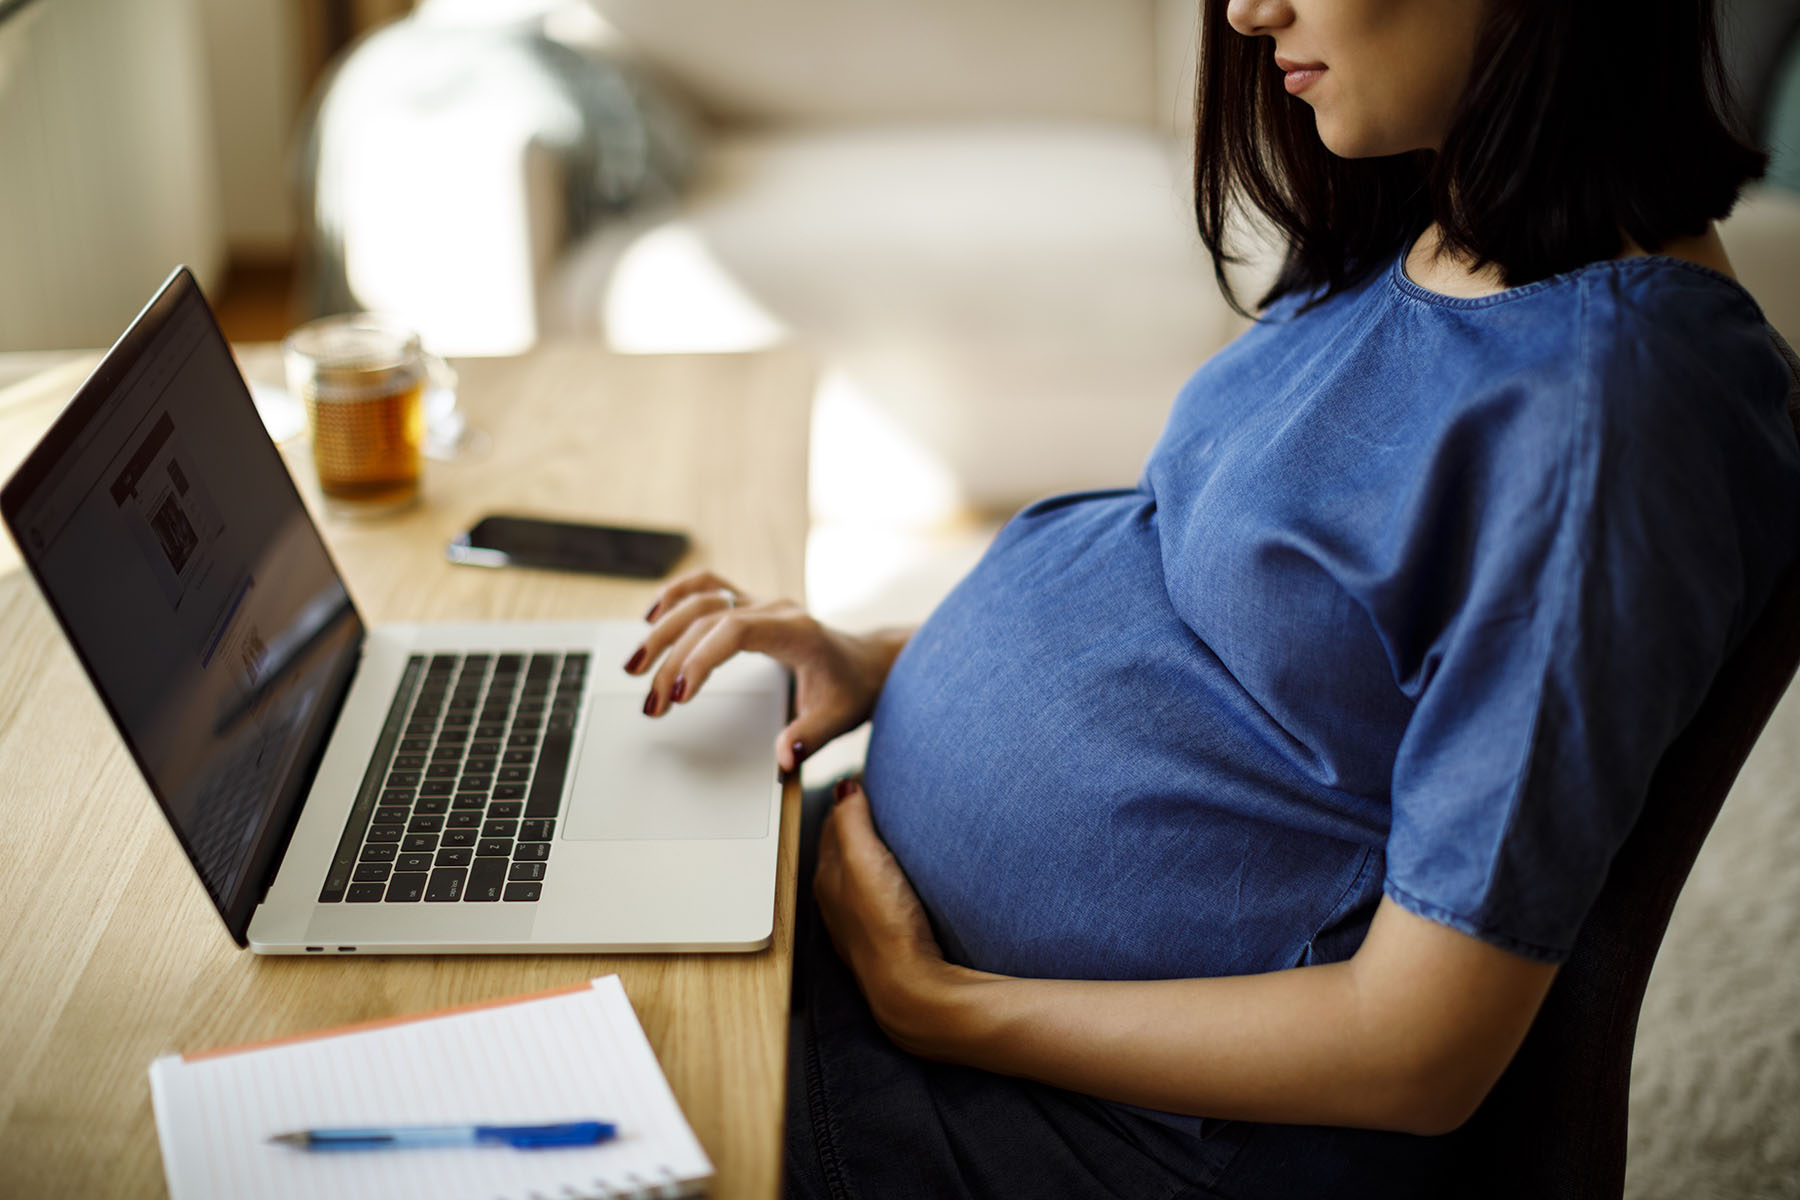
(413,862)
(406,888)
(379,853)
(419,841)
(509,663)
(509,791)
(575,664)
(431,804)
(534,831)
(425,823)
(437,787)
(480,766)
(542,665)
(524,891)
(514,774)
(500,828)
(532,851)
(546,785)
(467,800)
(494,847)
(454,735)
(459,837)
(363,893)
(476,663)
(490,731)
(522,739)
(421,729)
(448,751)
(385,833)
(559,723)
(505,808)
(446,885)
(443,770)
(526,870)
(397,796)
(475,783)
(486,879)
(409,762)
(459,857)
(463,820)
(513,758)
(442,662)
(391,815)
(415,745)
(403,779)
(463,703)
(373,872)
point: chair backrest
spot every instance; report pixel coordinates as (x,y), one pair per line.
(1554,1126)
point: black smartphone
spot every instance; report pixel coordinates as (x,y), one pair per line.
(509,541)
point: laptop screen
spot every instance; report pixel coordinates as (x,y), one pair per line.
(169,540)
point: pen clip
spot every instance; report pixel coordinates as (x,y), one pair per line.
(541,1137)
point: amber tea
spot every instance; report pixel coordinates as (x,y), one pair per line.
(362,380)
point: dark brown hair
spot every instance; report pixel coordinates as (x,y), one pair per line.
(1582,120)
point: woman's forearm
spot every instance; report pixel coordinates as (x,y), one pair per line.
(1294,1046)
(1402,1037)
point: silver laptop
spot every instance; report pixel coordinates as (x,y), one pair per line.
(402,789)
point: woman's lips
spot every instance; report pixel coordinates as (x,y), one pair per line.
(1298,76)
(1298,81)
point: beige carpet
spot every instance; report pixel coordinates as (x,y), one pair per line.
(1715,1086)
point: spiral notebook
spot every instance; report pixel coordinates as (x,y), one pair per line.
(559,1056)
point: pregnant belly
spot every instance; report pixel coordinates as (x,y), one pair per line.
(1058,766)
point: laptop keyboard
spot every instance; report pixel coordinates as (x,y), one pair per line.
(460,799)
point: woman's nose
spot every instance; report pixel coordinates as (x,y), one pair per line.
(1254,17)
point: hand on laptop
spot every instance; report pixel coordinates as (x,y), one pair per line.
(699,620)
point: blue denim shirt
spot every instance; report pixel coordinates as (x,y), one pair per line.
(1412,595)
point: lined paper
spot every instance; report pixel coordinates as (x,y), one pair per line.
(573,1056)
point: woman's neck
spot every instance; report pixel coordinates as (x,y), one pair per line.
(1437,270)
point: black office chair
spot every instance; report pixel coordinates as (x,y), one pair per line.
(1554,1126)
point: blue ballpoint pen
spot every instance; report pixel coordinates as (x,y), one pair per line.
(519,1137)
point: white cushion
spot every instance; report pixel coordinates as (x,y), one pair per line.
(1762,239)
(1024,300)
(822,61)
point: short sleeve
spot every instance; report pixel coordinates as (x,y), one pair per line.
(1600,548)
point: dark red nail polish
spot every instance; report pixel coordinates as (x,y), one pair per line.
(637,660)
(799,753)
(678,691)
(844,788)
(651,615)
(650,705)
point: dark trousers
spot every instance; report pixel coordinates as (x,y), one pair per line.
(867,1121)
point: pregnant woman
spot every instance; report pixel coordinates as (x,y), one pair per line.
(1221,836)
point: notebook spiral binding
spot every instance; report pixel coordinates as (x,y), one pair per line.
(633,1187)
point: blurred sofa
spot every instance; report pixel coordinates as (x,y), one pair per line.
(976,211)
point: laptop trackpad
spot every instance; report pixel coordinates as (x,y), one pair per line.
(703,770)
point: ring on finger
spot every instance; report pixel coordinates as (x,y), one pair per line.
(731,598)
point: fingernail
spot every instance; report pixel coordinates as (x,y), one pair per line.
(637,660)
(650,705)
(799,753)
(651,615)
(678,691)
(844,788)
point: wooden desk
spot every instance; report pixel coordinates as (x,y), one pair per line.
(115,955)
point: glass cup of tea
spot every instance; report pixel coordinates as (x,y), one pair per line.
(362,379)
